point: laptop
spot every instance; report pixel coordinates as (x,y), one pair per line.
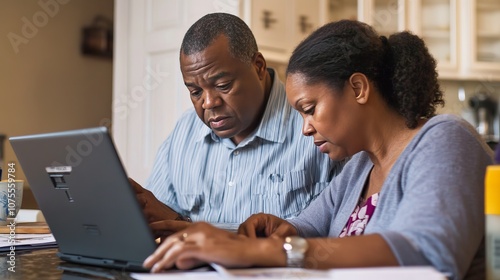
(83,191)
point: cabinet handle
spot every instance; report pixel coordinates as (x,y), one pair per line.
(304,25)
(267,20)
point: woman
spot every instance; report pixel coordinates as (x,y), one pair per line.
(412,193)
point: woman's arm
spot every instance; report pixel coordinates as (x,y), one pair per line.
(355,251)
(202,243)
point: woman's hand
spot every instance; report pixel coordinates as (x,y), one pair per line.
(202,243)
(264,225)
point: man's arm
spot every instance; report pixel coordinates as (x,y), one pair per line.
(154,209)
(162,219)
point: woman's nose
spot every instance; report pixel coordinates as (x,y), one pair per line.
(307,128)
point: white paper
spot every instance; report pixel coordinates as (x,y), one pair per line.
(29,215)
(271,273)
(379,273)
(205,275)
(26,241)
(388,273)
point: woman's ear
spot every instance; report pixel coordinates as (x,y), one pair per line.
(360,86)
(259,62)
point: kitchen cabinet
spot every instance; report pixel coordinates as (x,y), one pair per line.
(435,21)
(279,25)
(342,9)
(481,39)
(386,16)
(463,35)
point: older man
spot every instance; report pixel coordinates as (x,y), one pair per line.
(240,151)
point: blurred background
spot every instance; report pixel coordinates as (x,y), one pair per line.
(68,64)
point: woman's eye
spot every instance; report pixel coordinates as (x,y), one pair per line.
(308,110)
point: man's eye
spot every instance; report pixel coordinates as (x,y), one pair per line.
(224,86)
(196,93)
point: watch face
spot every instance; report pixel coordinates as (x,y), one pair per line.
(295,244)
(295,248)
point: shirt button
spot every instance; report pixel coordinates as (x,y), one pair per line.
(236,152)
(231,184)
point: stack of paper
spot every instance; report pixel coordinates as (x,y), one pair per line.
(17,242)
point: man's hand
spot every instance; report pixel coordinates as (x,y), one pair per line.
(154,209)
(265,225)
(165,228)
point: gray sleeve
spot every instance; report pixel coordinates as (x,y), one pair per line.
(325,216)
(314,220)
(440,219)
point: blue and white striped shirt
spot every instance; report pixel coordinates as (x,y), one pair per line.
(275,170)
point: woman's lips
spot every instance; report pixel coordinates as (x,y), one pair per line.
(321,145)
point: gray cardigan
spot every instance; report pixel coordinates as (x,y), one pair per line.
(431,206)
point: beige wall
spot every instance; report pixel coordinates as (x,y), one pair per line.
(48,85)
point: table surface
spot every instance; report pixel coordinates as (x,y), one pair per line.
(45,264)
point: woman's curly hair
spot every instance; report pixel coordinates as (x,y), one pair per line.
(400,66)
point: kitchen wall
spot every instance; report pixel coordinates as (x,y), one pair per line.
(458,93)
(46,84)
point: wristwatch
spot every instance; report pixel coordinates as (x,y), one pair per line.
(183,218)
(295,249)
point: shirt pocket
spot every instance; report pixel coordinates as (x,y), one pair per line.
(283,195)
(190,203)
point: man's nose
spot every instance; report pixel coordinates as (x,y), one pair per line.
(212,100)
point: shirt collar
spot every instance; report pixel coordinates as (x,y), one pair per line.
(274,120)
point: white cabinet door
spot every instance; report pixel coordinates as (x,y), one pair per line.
(463,35)
(343,9)
(307,17)
(481,42)
(148,91)
(272,25)
(436,21)
(386,16)
(279,25)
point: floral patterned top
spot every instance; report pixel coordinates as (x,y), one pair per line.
(360,216)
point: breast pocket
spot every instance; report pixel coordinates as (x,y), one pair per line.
(283,195)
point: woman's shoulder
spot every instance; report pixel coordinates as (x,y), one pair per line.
(448,120)
(447,125)
(449,131)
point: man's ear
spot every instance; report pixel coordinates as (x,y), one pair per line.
(260,65)
(360,86)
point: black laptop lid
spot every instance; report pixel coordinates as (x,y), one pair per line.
(83,191)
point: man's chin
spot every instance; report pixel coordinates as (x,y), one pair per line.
(224,133)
